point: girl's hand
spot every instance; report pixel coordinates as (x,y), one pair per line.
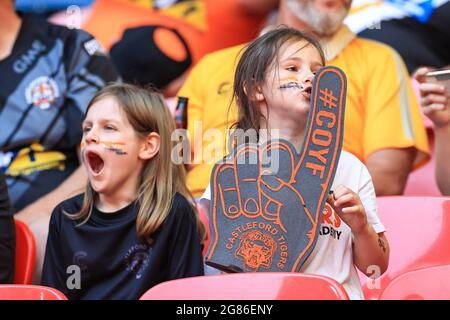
(350,209)
(433,99)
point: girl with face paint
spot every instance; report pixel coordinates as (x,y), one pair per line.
(134,224)
(272,88)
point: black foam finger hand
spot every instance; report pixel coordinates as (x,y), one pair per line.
(267,239)
(266,219)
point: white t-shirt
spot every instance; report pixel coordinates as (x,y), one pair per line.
(333,253)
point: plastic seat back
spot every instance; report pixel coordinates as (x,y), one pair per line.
(426,284)
(417,230)
(29,292)
(25,254)
(249,286)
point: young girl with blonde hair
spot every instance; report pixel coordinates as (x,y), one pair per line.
(134,227)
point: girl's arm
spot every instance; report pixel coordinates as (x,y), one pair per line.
(369,248)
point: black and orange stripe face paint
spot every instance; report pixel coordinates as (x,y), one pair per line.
(289,83)
(118,148)
(269,221)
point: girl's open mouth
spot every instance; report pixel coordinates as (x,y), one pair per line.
(95,162)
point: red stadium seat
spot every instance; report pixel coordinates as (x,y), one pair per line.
(25,254)
(29,292)
(249,286)
(417,230)
(426,284)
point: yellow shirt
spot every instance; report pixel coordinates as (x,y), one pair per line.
(381,109)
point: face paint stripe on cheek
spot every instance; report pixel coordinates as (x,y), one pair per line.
(288,83)
(118,151)
(118,147)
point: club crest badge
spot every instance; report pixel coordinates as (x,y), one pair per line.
(42,92)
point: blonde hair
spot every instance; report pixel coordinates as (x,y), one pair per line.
(160,177)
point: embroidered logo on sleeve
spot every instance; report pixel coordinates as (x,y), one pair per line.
(42,92)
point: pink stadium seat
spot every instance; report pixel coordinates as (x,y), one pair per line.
(426,284)
(417,230)
(29,292)
(249,286)
(25,254)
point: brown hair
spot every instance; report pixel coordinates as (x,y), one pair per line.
(252,67)
(160,177)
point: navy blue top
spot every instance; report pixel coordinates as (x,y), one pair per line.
(112,262)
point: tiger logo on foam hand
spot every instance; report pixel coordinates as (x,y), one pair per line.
(257,250)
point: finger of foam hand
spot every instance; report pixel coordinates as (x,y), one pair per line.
(227,194)
(277,157)
(247,169)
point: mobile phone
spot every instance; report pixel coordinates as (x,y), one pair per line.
(181,113)
(440,76)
